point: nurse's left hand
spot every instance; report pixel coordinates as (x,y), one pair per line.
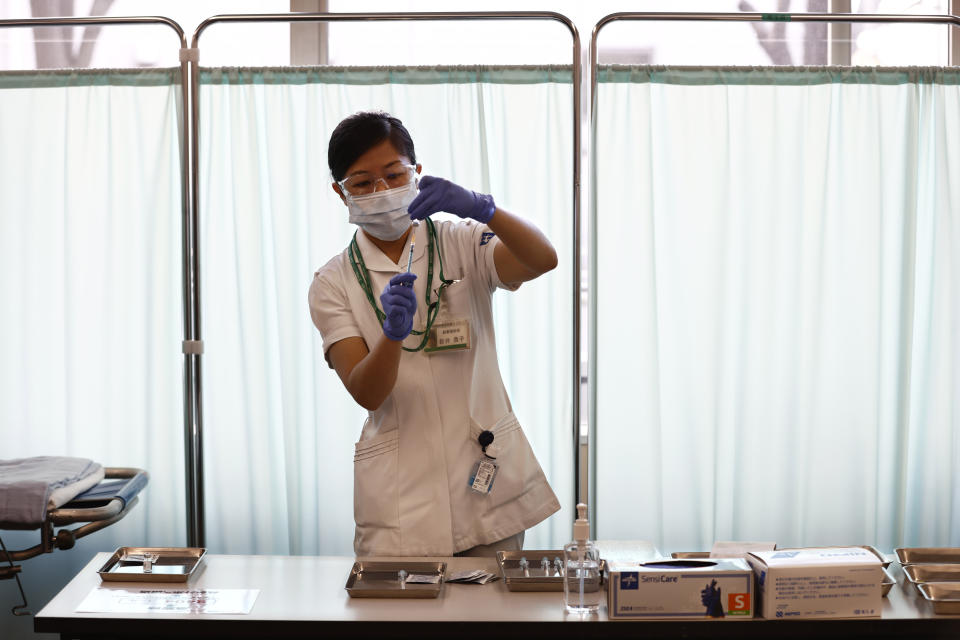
(437,194)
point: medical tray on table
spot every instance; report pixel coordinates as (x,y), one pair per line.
(917,573)
(534,579)
(944,596)
(928,555)
(383,579)
(152,564)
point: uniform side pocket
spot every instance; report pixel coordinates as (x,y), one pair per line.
(518,468)
(375,499)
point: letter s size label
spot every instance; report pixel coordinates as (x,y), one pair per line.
(738,604)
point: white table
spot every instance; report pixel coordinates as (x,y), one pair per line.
(304,596)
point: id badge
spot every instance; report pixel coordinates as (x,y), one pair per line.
(482,476)
(448,334)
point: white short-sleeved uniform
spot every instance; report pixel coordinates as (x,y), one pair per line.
(416,451)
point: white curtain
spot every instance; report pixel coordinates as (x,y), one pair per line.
(778,306)
(90,283)
(279,425)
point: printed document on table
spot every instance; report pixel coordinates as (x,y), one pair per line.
(209,601)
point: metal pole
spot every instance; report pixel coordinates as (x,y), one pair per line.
(435,16)
(193,396)
(953,20)
(190,363)
(578,496)
(94,20)
(592,295)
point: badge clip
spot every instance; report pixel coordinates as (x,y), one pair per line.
(484,471)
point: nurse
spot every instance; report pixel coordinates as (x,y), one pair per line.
(442,466)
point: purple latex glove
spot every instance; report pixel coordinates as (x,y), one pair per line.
(437,194)
(400,305)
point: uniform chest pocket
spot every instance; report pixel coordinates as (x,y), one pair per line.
(455,301)
(375,498)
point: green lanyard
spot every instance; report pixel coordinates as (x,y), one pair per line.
(363,277)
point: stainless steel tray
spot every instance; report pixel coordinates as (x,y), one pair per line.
(945,596)
(535,578)
(932,572)
(928,555)
(152,564)
(383,579)
(887,584)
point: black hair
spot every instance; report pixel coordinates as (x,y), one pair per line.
(357,134)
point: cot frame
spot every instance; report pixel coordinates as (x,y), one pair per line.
(97,516)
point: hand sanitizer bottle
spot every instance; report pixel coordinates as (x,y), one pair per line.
(581,585)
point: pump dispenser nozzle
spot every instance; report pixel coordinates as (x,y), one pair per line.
(581,526)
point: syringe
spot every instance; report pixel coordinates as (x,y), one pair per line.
(413,242)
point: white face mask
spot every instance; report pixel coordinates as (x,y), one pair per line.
(383,214)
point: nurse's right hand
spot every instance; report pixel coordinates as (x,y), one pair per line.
(400,305)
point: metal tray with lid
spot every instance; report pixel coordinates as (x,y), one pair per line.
(535,575)
(945,596)
(152,564)
(917,573)
(928,555)
(375,579)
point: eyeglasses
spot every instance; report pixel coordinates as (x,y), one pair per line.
(361,184)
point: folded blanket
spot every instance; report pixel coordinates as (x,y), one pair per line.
(26,485)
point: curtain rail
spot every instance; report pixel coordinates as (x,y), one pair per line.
(191,364)
(96,21)
(375,17)
(196,517)
(687,17)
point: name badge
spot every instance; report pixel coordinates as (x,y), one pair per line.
(482,476)
(449,335)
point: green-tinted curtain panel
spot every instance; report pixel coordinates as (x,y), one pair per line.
(778,305)
(279,425)
(90,283)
